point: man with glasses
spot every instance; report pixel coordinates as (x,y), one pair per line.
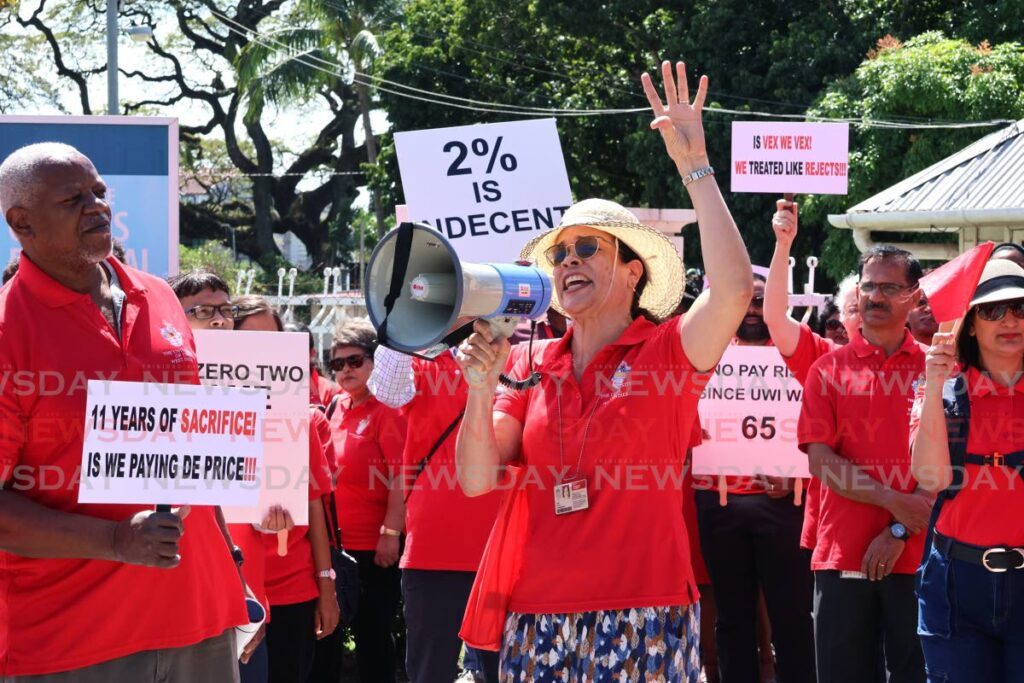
(752,547)
(854,427)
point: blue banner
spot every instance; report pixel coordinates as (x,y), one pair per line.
(137,157)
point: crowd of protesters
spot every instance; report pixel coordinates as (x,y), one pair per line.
(481,516)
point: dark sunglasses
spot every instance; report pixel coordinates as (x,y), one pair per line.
(355,362)
(585,247)
(833,325)
(997,310)
(205,312)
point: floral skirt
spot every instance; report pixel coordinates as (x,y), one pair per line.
(644,644)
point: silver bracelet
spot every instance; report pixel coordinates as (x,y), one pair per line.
(698,174)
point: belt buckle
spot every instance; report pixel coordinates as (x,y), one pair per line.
(998,459)
(1000,570)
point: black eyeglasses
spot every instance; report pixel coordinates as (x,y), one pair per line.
(585,247)
(205,312)
(355,362)
(997,310)
(833,325)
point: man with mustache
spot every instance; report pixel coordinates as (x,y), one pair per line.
(93,593)
(854,427)
(752,545)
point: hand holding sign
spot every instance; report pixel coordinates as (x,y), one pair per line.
(150,538)
(784,222)
(679,121)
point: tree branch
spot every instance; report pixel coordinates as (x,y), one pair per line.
(62,69)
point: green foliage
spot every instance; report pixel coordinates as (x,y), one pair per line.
(928,78)
(215,257)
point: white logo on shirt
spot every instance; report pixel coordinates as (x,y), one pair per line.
(363,424)
(170,333)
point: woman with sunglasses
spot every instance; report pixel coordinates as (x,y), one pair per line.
(971,584)
(368,439)
(605,586)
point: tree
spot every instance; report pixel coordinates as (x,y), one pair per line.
(578,55)
(930,77)
(225,60)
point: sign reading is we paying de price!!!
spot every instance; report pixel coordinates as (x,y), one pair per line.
(488,188)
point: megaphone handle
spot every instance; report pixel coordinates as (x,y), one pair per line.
(501,328)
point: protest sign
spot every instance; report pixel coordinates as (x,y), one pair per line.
(171,444)
(277,363)
(137,157)
(488,188)
(749,411)
(790,157)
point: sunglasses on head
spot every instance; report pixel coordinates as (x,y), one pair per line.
(205,312)
(997,310)
(584,247)
(833,325)
(355,362)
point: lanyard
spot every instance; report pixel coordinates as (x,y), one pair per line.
(561,432)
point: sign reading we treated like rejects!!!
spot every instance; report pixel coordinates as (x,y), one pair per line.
(488,188)
(171,444)
(806,158)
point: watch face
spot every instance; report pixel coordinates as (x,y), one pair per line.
(899,531)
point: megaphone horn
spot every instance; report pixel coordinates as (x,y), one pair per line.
(418,291)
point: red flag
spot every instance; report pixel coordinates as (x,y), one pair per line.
(949,287)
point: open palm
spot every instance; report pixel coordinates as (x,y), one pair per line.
(678,121)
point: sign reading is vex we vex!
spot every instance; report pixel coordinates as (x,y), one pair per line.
(810,158)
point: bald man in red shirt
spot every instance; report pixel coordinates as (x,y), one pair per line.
(92,593)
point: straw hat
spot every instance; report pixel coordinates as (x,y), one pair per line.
(664,267)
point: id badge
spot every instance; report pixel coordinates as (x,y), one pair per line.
(571,496)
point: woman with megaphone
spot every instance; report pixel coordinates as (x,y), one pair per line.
(588,574)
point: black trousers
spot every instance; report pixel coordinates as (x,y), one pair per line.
(849,614)
(435,602)
(291,639)
(754,543)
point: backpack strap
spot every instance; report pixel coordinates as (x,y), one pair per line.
(956,404)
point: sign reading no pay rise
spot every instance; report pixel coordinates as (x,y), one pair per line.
(487,188)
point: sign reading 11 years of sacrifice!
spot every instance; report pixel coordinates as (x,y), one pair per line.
(749,411)
(171,444)
(488,188)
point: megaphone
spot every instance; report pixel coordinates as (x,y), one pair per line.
(418,291)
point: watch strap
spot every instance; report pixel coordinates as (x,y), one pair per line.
(699,173)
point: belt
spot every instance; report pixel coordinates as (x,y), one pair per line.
(996,559)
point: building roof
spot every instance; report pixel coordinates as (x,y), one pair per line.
(988,174)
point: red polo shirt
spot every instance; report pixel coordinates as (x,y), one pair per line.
(368,439)
(989,509)
(321,389)
(292,579)
(445,529)
(809,348)
(636,403)
(857,402)
(60,615)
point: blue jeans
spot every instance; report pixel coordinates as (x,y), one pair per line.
(971,621)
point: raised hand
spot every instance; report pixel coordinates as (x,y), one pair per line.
(940,360)
(678,120)
(481,357)
(784,222)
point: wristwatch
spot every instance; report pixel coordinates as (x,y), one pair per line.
(898,531)
(327,574)
(237,555)
(701,172)
(384,531)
